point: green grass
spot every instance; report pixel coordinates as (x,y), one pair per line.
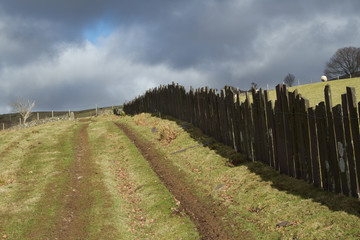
(132,203)
(126,171)
(35,172)
(256,197)
(314,92)
(29,158)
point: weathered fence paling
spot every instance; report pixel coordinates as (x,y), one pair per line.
(320,146)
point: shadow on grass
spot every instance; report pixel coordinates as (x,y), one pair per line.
(334,201)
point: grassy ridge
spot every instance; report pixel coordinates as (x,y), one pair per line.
(144,205)
(254,195)
(314,92)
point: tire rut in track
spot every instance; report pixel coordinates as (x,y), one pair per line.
(207,218)
(78,201)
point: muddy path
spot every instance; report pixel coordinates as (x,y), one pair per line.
(207,218)
(73,197)
(75,214)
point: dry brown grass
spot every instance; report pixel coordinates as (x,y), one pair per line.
(5,180)
(167,134)
(140,120)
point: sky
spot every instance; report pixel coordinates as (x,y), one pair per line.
(75,54)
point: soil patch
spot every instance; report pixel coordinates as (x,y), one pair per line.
(206,217)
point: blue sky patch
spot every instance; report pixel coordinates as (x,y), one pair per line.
(99,29)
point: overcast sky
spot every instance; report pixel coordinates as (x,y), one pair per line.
(75,54)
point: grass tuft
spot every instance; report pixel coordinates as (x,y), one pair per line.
(167,134)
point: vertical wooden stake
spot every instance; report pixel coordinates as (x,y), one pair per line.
(332,143)
(96,107)
(69,112)
(52,114)
(38,116)
(20,120)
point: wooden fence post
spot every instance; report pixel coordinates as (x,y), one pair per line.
(270,130)
(334,168)
(263,128)
(314,148)
(249,128)
(296,137)
(322,143)
(341,147)
(306,136)
(349,145)
(285,144)
(351,98)
(280,134)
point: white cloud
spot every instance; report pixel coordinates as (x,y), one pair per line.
(113,78)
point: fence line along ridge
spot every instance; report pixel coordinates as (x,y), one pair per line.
(320,145)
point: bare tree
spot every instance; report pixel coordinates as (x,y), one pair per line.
(344,63)
(254,85)
(23,107)
(289,79)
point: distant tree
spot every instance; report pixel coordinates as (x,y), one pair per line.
(254,85)
(23,107)
(289,79)
(345,62)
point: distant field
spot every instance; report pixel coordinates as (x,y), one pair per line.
(12,119)
(314,92)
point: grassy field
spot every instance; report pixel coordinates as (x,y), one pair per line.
(124,198)
(120,197)
(314,92)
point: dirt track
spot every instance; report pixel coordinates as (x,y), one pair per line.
(74,216)
(207,218)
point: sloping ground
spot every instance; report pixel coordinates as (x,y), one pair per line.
(206,217)
(67,181)
(314,92)
(88,180)
(256,199)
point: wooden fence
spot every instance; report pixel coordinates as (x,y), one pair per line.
(320,145)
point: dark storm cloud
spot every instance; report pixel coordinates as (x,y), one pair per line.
(211,42)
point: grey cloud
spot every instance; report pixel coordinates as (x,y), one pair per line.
(210,42)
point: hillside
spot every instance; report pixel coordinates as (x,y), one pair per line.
(314,92)
(144,177)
